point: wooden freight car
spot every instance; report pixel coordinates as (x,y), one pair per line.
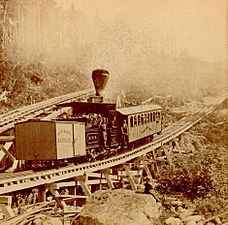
(49,140)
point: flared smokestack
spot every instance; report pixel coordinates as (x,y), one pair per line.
(100,78)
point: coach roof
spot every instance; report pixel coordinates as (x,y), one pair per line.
(138,109)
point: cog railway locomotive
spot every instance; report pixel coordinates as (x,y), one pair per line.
(95,130)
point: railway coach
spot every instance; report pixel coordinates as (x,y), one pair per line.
(142,121)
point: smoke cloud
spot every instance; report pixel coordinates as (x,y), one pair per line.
(144,46)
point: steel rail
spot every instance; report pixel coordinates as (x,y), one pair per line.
(8,120)
(21,180)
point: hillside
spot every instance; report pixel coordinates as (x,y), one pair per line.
(27,82)
(24,81)
(198,177)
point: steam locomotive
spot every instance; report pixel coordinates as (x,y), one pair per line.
(95,130)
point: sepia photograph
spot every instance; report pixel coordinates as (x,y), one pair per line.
(113,112)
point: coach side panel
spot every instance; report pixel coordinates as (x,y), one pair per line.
(144,124)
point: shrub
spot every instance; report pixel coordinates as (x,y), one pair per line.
(202,176)
(187,179)
(211,206)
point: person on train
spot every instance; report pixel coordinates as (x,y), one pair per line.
(103,127)
(113,123)
(92,155)
(124,130)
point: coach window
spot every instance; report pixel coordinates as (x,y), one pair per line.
(139,121)
(135,121)
(142,119)
(154,116)
(131,121)
(159,115)
(151,117)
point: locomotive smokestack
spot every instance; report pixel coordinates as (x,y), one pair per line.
(100,78)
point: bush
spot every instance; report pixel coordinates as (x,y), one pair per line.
(201,177)
(211,206)
(187,179)
(215,129)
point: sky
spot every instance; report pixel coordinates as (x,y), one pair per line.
(197,26)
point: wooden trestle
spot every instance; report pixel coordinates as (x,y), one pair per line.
(146,159)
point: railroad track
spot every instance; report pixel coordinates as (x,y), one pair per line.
(8,120)
(21,180)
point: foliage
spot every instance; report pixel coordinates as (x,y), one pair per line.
(187,179)
(16,79)
(33,81)
(201,177)
(211,206)
(216,128)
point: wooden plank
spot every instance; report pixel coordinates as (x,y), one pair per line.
(66,198)
(98,175)
(4,139)
(84,186)
(167,153)
(108,178)
(53,190)
(6,199)
(72,183)
(61,204)
(13,167)
(148,173)
(7,211)
(5,149)
(130,178)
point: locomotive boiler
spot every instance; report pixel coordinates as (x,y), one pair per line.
(95,130)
